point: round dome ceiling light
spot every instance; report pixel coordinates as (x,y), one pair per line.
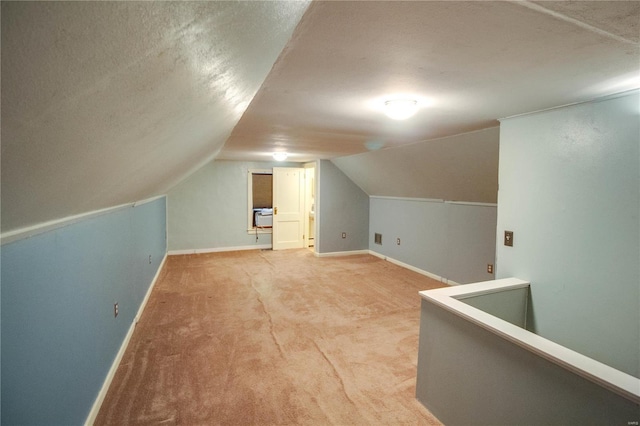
(280,156)
(400,109)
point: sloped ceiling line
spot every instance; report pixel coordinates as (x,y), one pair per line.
(138,95)
(107,103)
(540,8)
(476,62)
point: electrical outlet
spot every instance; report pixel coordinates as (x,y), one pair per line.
(344,235)
(115,309)
(149,259)
(490,268)
(398,241)
(377,238)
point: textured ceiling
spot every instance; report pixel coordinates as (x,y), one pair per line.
(105,103)
(455,168)
(474,61)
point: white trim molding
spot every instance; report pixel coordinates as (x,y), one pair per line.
(588,101)
(148,200)
(97,404)
(608,377)
(413,268)
(219,249)
(422,200)
(341,253)
(472,203)
(41,228)
(261,231)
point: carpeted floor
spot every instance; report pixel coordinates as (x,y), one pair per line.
(274,337)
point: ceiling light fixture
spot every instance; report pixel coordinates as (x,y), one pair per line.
(280,156)
(400,109)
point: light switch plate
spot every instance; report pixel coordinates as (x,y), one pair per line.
(508,238)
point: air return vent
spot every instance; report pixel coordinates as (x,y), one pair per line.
(377,238)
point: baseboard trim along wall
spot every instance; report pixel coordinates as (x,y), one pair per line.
(414,269)
(389,259)
(422,200)
(116,362)
(341,253)
(95,409)
(219,249)
(148,294)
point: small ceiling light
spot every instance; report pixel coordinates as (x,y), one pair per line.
(400,109)
(280,156)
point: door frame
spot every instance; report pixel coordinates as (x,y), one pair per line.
(275,242)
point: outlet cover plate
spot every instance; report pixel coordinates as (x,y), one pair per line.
(508,238)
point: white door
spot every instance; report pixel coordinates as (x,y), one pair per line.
(288,208)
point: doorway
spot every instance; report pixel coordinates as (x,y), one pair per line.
(294,213)
(310,206)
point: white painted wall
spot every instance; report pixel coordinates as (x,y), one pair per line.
(570,191)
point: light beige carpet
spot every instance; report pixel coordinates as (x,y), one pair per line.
(264,337)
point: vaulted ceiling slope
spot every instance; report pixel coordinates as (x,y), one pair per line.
(472,62)
(106,103)
(455,168)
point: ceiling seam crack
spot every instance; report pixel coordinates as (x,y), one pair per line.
(577,22)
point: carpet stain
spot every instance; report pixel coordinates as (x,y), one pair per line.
(273,337)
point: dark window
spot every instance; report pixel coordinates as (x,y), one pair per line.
(262,185)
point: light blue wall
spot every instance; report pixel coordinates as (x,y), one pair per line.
(508,305)
(570,191)
(342,207)
(453,241)
(209,209)
(59,334)
(467,375)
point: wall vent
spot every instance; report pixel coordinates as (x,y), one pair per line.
(377,238)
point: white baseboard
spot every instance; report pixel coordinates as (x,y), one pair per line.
(341,253)
(153,284)
(116,362)
(95,409)
(219,249)
(414,269)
